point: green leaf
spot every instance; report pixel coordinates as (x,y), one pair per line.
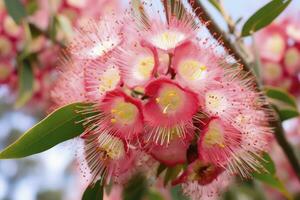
(216,4)
(154,195)
(53,28)
(59,126)
(274,182)
(136,188)
(264,16)
(93,192)
(172,173)
(286,114)
(32,6)
(268,164)
(267,175)
(15,9)
(281,95)
(26,80)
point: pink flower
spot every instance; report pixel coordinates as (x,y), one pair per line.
(279,51)
(218,142)
(168,36)
(119,115)
(95,39)
(100,78)
(197,67)
(101,155)
(137,62)
(168,111)
(203,180)
(271,42)
(292,60)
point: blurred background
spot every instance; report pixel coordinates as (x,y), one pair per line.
(54,175)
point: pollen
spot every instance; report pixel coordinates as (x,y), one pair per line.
(124,113)
(109,80)
(192,70)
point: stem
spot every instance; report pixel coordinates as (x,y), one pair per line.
(218,34)
(287,148)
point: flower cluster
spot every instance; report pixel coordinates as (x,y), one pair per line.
(279,49)
(17,40)
(163,91)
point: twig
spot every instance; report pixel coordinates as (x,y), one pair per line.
(218,34)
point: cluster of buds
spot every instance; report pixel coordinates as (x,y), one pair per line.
(161,90)
(279,49)
(9,42)
(17,40)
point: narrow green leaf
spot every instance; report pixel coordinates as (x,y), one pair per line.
(32,6)
(264,16)
(26,80)
(268,164)
(136,188)
(53,28)
(172,173)
(59,126)
(93,192)
(286,114)
(281,95)
(216,4)
(274,182)
(15,9)
(267,175)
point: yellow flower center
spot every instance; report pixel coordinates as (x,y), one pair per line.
(145,66)
(109,80)
(5,46)
(110,147)
(292,57)
(214,135)
(275,44)
(192,70)
(215,102)
(272,71)
(4,71)
(168,39)
(124,113)
(169,99)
